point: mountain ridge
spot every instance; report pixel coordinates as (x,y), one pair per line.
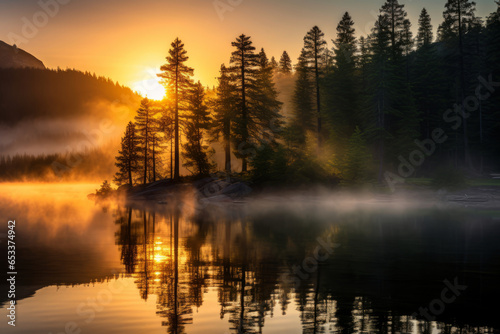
(13,57)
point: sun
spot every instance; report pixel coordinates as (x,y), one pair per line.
(150,87)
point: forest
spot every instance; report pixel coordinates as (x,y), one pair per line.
(374,109)
(29,93)
(382,107)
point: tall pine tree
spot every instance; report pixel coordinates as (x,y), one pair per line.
(176,76)
(314,47)
(146,127)
(303,119)
(224,107)
(342,95)
(197,153)
(425,35)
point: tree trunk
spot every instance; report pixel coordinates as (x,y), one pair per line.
(177,160)
(244,167)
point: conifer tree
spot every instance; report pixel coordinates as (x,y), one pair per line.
(314,47)
(303,100)
(176,75)
(428,79)
(274,63)
(167,122)
(244,67)
(459,18)
(127,160)
(223,113)
(285,65)
(425,35)
(196,152)
(146,127)
(266,104)
(395,15)
(342,83)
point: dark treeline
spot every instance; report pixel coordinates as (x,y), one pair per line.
(29,93)
(385,106)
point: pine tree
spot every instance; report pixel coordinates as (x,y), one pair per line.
(459,18)
(267,107)
(407,45)
(363,61)
(343,86)
(146,127)
(176,76)
(425,35)
(166,124)
(285,65)
(196,152)
(274,63)
(380,89)
(428,79)
(314,47)
(223,113)
(127,160)
(244,68)
(303,104)
(156,147)
(395,16)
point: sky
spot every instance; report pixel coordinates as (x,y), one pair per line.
(127,40)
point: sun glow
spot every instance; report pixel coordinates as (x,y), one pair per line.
(150,86)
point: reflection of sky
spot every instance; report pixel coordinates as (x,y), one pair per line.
(52,308)
(123,39)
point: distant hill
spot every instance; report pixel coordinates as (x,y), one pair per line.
(13,57)
(51,111)
(29,93)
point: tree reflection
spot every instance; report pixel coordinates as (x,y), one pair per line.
(179,254)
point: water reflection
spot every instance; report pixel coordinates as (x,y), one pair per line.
(386,267)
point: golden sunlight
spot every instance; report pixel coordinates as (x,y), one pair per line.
(150,86)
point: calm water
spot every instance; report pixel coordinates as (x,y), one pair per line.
(271,266)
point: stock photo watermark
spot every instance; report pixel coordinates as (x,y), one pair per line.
(455,117)
(309,265)
(31,26)
(437,306)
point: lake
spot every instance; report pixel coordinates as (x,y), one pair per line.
(320,264)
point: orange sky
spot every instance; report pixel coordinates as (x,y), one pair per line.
(128,40)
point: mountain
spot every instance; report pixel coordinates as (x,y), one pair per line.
(13,57)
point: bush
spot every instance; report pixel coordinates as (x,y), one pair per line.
(275,164)
(105,190)
(355,166)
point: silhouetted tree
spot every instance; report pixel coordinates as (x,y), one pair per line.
(342,95)
(303,104)
(176,76)
(146,127)
(285,65)
(425,35)
(244,68)
(459,18)
(127,160)
(196,153)
(274,63)
(395,15)
(314,47)
(224,107)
